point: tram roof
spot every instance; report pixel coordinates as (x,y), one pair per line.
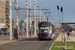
(45,22)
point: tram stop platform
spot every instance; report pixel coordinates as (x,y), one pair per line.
(59,38)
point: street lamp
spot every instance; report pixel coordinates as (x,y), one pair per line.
(58,13)
(47,15)
(62,14)
(59,17)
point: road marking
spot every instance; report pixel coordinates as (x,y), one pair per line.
(14,45)
(42,45)
(30,45)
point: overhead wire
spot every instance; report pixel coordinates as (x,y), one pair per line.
(21,4)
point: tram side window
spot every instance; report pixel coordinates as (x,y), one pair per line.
(50,30)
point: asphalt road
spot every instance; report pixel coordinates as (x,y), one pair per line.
(29,44)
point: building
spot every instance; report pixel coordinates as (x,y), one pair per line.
(68,26)
(4,14)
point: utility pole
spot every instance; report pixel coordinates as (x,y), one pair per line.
(42,16)
(27,16)
(17,17)
(35,17)
(10,20)
(30,18)
(40,11)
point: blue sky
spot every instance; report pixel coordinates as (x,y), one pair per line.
(68,9)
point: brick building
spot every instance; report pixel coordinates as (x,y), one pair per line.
(68,26)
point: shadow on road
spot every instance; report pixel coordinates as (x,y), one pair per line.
(36,39)
(30,39)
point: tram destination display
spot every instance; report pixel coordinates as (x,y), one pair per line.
(44,25)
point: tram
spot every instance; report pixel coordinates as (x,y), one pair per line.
(46,30)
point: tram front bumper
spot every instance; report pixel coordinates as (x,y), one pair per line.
(45,37)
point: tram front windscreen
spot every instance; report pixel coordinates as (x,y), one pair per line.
(44,30)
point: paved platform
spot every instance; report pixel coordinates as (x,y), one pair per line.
(6,38)
(59,38)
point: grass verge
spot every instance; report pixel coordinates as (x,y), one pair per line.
(58,46)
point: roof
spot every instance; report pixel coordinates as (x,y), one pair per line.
(22,21)
(72,26)
(69,25)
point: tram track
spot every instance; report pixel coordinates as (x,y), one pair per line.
(14,45)
(35,46)
(42,45)
(30,45)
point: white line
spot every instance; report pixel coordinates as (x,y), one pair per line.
(51,45)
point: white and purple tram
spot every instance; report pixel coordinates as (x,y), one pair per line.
(46,30)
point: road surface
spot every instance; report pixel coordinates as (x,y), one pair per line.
(29,44)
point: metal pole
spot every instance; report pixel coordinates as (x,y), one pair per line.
(17,17)
(59,17)
(40,11)
(35,16)
(27,16)
(30,18)
(10,20)
(59,20)
(42,15)
(47,19)
(62,17)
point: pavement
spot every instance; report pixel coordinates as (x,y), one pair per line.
(59,38)
(6,38)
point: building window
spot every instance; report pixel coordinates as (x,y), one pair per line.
(66,28)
